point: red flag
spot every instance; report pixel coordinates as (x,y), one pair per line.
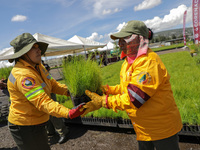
(195,12)
(184,18)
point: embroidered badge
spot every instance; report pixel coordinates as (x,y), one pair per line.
(28,82)
(144,78)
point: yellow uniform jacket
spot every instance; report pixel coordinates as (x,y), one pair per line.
(145,94)
(30,91)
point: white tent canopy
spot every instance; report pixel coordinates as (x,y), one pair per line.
(86,43)
(109,46)
(6,51)
(59,46)
(56,46)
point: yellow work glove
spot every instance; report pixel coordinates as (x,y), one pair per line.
(96,102)
(105,89)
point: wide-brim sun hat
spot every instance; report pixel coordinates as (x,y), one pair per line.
(132,27)
(22,44)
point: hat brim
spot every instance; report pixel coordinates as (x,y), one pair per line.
(120,35)
(43,47)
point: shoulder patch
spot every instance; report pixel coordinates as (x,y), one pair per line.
(28,82)
(143,78)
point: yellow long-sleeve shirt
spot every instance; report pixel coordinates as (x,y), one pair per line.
(145,94)
(30,91)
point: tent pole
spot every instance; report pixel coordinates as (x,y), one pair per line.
(85,51)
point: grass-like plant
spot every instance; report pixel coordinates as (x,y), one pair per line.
(5,72)
(82,74)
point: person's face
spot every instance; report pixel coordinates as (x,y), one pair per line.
(129,45)
(34,54)
(122,44)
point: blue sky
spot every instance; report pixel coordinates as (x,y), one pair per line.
(93,19)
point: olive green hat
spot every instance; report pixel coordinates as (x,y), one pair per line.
(22,44)
(132,27)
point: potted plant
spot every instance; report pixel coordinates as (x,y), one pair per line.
(82,74)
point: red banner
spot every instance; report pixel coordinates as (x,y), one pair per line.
(195,12)
(184,18)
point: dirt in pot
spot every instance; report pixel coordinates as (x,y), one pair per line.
(76,100)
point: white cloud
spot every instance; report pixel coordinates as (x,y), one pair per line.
(105,12)
(174,18)
(19,18)
(110,11)
(66,3)
(95,37)
(117,10)
(119,27)
(106,7)
(4,64)
(147,4)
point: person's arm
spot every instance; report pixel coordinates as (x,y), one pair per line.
(3,84)
(34,92)
(113,90)
(59,88)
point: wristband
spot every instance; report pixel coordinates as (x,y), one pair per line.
(107,101)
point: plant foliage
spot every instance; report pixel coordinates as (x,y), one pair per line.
(82,74)
(5,72)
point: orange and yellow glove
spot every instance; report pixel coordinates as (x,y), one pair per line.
(105,89)
(96,102)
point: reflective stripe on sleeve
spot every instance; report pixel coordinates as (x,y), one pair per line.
(142,101)
(34,92)
(49,77)
(137,96)
(12,78)
(43,85)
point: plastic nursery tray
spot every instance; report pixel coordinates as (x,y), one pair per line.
(189,130)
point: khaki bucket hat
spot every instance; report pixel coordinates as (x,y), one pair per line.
(22,44)
(132,27)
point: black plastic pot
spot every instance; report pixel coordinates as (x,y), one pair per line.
(76,100)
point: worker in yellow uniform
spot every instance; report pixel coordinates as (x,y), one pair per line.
(56,125)
(144,91)
(30,86)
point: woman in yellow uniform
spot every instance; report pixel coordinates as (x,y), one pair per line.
(144,91)
(30,86)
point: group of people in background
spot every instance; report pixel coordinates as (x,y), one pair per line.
(100,58)
(144,92)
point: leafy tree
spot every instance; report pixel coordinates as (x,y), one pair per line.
(173,36)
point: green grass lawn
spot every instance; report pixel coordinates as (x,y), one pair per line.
(185,78)
(168,47)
